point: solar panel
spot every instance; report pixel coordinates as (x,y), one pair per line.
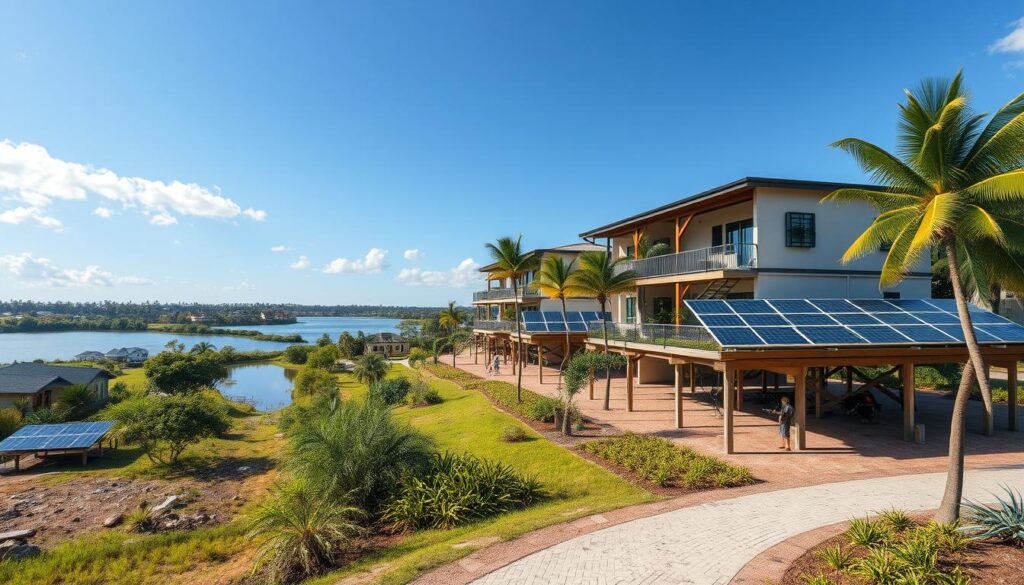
(577,326)
(534,327)
(78,435)
(557,326)
(575,316)
(533,317)
(846,322)
(553,316)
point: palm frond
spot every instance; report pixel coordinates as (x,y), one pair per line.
(882,200)
(1002,188)
(1008,112)
(975,223)
(884,167)
(1003,151)
(886,228)
(932,160)
(938,216)
(900,259)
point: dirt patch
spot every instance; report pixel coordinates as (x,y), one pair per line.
(986,563)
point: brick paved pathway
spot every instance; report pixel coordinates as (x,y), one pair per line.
(709,543)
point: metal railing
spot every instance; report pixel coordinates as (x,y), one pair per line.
(497,294)
(727,257)
(493,325)
(684,336)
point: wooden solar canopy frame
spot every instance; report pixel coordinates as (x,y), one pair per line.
(505,345)
(816,363)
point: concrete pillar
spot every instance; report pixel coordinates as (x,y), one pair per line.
(678,395)
(988,423)
(907,381)
(727,410)
(1011,391)
(800,405)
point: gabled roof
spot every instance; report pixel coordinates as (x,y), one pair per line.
(720,191)
(385,338)
(29,377)
(574,248)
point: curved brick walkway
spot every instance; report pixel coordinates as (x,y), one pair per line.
(710,543)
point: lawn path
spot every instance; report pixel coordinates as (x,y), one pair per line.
(708,544)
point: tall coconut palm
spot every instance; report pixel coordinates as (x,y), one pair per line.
(511,262)
(451,318)
(599,278)
(203,347)
(957,182)
(555,280)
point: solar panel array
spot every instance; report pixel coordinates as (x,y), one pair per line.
(835,322)
(76,435)
(553,322)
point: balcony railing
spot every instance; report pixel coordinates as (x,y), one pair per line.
(727,257)
(499,294)
(684,336)
(490,325)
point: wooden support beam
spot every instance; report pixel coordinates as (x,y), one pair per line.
(727,410)
(678,395)
(988,423)
(630,373)
(540,363)
(693,378)
(592,374)
(908,391)
(739,389)
(1011,392)
(800,405)
(819,392)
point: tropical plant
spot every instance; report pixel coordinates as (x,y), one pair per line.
(659,461)
(1004,522)
(297,354)
(357,450)
(175,372)
(417,356)
(581,369)
(599,278)
(555,281)
(451,318)
(300,534)
(371,368)
(896,520)
(166,425)
(817,579)
(390,391)
(24,404)
(313,381)
(836,557)
(956,183)
(175,346)
(423,394)
(512,263)
(878,566)
(458,489)
(866,532)
(203,347)
(10,421)
(514,434)
(46,416)
(77,401)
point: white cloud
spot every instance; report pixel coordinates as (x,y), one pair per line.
(372,263)
(103,212)
(300,264)
(37,271)
(279,248)
(1011,43)
(34,179)
(465,274)
(411,254)
(163,219)
(35,215)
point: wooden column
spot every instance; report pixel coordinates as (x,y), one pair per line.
(540,363)
(907,380)
(515,356)
(988,423)
(819,391)
(727,409)
(739,388)
(476,350)
(592,374)
(630,372)
(1011,391)
(800,405)
(693,379)
(678,393)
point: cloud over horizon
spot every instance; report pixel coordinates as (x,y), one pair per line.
(465,274)
(372,263)
(1011,43)
(38,271)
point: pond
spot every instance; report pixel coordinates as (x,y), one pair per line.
(65,345)
(267,386)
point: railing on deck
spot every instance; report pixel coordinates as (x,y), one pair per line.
(491,325)
(727,257)
(684,336)
(497,294)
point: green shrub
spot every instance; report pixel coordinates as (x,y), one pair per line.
(818,579)
(118,392)
(390,391)
(77,401)
(919,554)
(878,566)
(1004,522)
(948,535)
(457,489)
(423,394)
(534,406)
(356,451)
(866,532)
(177,372)
(836,557)
(418,356)
(896,520)
(297,354)
(659,461)
(165,425)
(312,381)
(323,356)
(46,416)
(514,434)
(10,421)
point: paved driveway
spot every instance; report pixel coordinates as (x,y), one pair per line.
(709,543)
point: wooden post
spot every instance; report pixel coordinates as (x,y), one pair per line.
(800,405)
(630,372)
(819,391)
(1011,392)
(476,350)
(739,389)
(592,374)
(17,462)
(907,379)
(693,378)
(727,407)
(515,357)
(678,393)
(988,423)
(540,363)
(85,457)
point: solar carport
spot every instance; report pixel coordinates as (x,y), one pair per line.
(55,439)
(813,340)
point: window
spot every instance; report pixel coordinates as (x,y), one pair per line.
(799,230)
(716,235)
(630,252)
(630,309)
(890,295)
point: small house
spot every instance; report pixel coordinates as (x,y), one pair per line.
(90,356)
(43,383)
(127,355)
(387,344)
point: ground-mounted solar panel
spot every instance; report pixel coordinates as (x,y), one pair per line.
(736,336)
(793,306)
(923,333)
(744,306)
(706,307)
(809,319)
(723,321)
(56,437)
(855,319)
(780,336)
(759,320)
(830,335)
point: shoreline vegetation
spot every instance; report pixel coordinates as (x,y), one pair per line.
(202,329)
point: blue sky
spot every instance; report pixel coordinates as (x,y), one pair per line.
(164,152)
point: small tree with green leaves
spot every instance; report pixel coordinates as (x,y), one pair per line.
(371,368)
(579,372)
(166,425)
(315,381)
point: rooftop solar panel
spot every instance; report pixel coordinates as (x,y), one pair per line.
(874,305)
(553,316)
(834,305)
(923,333)
(793,306)
(751,306)
(809,319)
(780,336)
(533,317)
(736,336)
(534,327)
(764,320)
(880,334)
(723,321)
(912,304)
(855,319)
(574,316)
(56,437)
(897,318)
(826,335)
(577,326)
(937,317)
(1005,332)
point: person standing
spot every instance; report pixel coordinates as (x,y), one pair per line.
(785,412)
(496,365)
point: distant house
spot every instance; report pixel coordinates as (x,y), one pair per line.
(42,383)
(275,316)
(127,355)
(201,318)
(90,356)
(387,344)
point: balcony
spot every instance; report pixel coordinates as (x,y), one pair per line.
(501,294)
(682,336)
(727,257)
(491,325)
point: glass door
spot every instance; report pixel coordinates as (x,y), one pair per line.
(739,236)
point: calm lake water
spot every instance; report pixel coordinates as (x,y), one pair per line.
(65,345)
(267,385)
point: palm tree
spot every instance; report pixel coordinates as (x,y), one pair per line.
(203,347)
(451,318)
(957,183)
(598,278)
(555,280)
(510,262)
(371,368)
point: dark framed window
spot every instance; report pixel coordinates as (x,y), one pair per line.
(799,230)
(716,235)
(630,252)
(630,309)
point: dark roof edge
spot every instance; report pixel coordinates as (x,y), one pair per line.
(744,183)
